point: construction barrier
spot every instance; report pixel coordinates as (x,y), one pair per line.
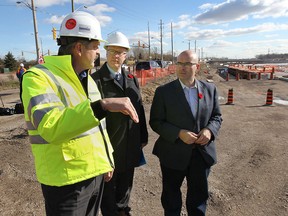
(227,76)
(249,76)
(172,69)
(249,72)
(269,97)
(237,76)
(272,74)
(230,97)
(145,76)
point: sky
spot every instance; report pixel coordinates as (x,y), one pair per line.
(212,28)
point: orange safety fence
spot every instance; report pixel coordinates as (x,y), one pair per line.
(146,76)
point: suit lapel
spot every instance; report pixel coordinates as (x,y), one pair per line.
(107,76)
(201,102)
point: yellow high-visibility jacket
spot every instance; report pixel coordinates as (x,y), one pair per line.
(67,139)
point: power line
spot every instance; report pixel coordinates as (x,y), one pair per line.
(125,11)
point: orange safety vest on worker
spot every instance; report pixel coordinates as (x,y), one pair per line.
(21,70)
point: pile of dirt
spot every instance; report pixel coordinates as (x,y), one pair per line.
(206,72)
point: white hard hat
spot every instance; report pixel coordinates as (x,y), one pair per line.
(117,39)
(21,65)
(81,24)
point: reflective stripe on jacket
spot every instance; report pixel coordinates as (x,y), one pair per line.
(66,140)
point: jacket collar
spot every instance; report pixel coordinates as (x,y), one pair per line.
(63,63)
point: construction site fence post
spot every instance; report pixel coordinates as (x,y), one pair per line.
(142,74)
(227,76)
(272,74)
(237,76)
(248,76)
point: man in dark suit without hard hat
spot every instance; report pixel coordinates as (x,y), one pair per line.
(186,115)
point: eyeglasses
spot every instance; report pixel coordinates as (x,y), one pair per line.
(185,64)
(114,52)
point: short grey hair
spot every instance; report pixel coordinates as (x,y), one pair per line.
(67,49)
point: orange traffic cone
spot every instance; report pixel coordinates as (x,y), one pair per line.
(230,97)
(269,98)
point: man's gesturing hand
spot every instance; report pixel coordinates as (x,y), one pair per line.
(122,105)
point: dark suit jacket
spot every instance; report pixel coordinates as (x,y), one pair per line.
(126,136)
(170,112)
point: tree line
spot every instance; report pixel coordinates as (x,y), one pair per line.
(283,56)
(10,62)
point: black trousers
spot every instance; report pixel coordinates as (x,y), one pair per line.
(197,187)
(116,194)
(79,199)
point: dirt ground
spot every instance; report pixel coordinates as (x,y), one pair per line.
(250,178)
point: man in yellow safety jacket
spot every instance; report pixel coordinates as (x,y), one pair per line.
(65,116)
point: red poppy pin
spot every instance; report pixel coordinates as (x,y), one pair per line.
(200,96)
(130,76)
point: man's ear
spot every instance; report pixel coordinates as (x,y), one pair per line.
(78,48)
(198,66)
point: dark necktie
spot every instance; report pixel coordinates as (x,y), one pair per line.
(119,78)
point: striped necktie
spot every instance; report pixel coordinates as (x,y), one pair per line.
(117,76)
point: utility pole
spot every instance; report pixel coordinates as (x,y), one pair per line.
(149,51)
(195,47)
(72,4)
(35,29)
(41,47)
(172,43)
(201,53)
(161,38)
(32,7)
